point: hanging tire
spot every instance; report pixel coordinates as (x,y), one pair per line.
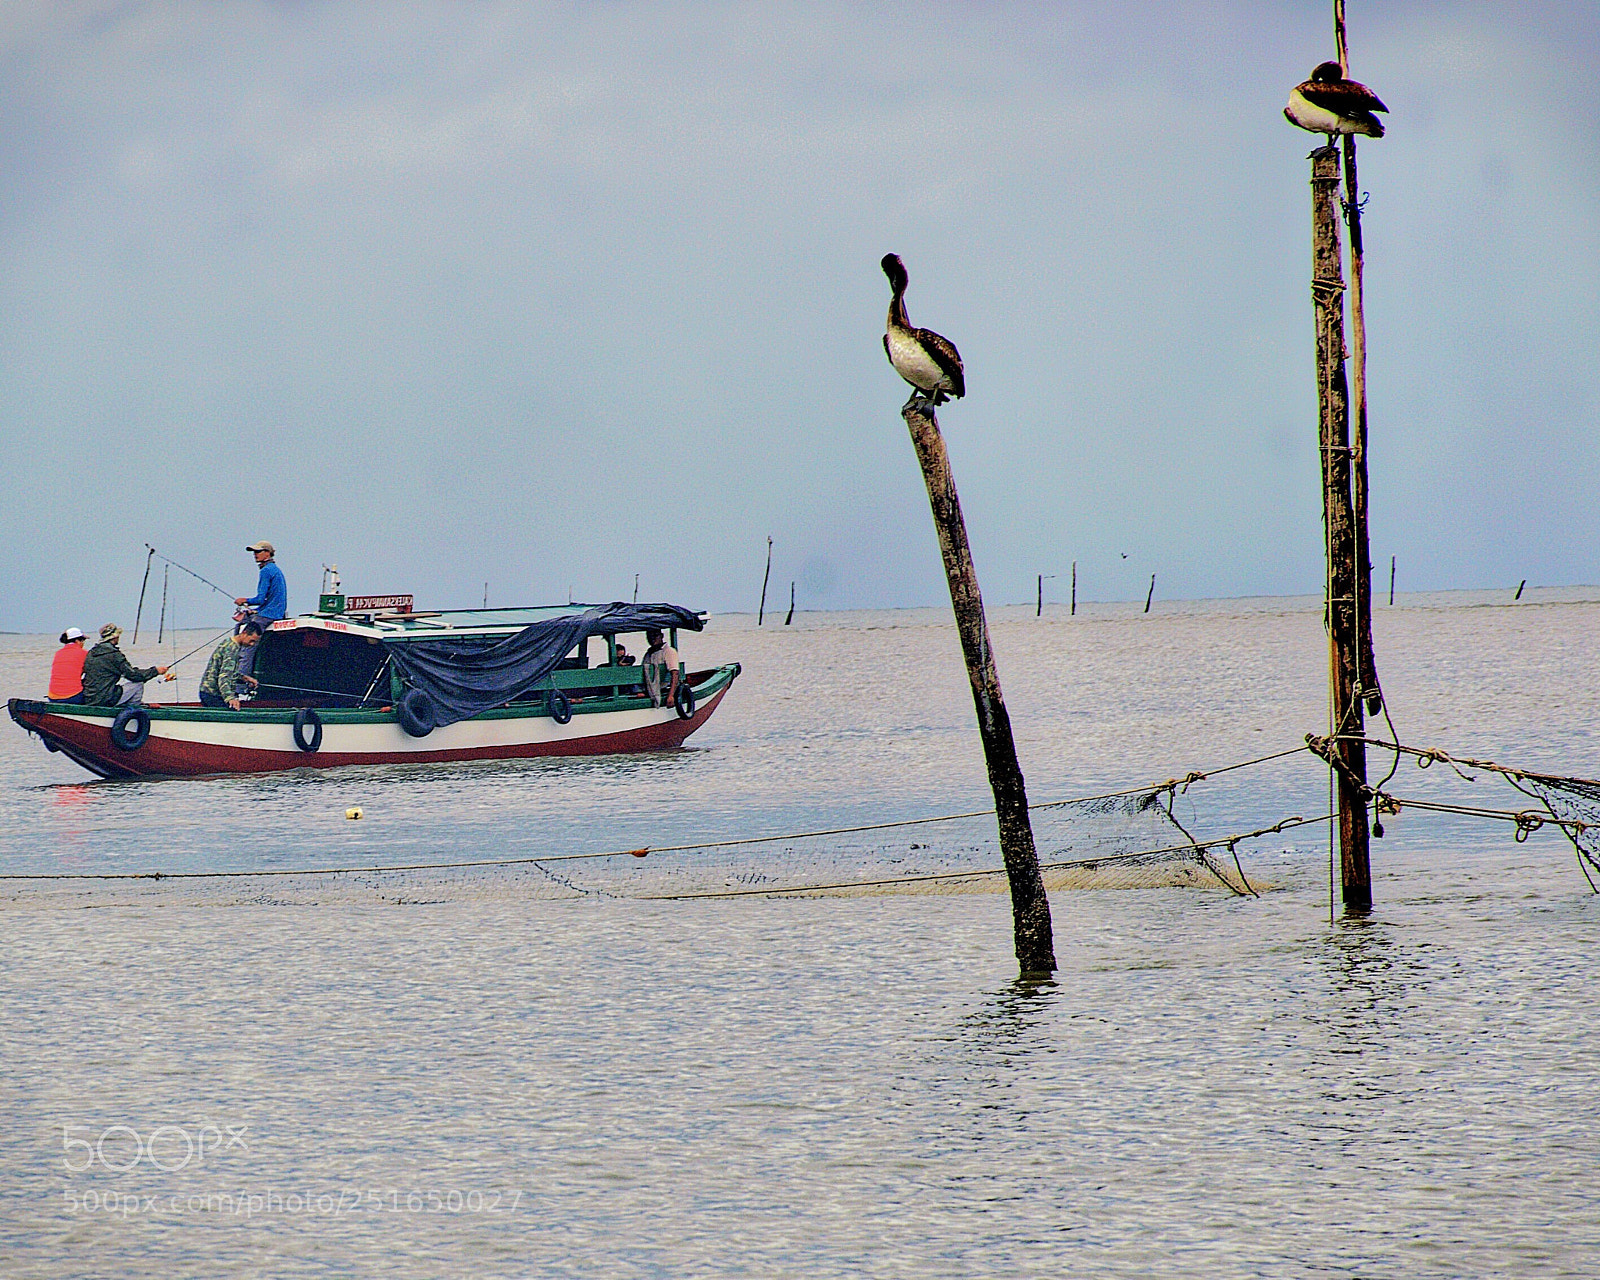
(304,719)
(415,713)
(130,728)
(683,700)
(559,706)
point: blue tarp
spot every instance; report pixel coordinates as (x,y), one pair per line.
(461,679)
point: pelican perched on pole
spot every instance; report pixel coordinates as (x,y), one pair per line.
(929,362)
(1328,103)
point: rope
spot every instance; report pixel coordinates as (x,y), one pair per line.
(1198,848)
(1171,785)
(1429,755)
(1527,820)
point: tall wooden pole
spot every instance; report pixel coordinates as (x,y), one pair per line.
(761,613)
(1030,907)
(1339,523)
(1074,588)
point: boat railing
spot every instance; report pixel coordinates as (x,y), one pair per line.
(603,681)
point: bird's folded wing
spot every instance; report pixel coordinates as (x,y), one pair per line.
(1346,98)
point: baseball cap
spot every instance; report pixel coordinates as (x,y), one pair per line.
(71,633)
(262,546)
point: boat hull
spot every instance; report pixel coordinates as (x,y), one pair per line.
(187,741)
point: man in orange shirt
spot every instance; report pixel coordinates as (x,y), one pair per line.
(66,669)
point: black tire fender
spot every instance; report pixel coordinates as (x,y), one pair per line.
(559,706)
(414,711)
(303,719)
(130,728)
(683,701)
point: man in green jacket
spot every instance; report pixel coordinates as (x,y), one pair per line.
(107,664)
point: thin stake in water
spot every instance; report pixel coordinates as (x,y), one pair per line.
(761,612)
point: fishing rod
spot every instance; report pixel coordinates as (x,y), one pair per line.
(187,570)
(200,646)
(140,614)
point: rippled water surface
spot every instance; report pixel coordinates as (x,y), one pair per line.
(1213,1086)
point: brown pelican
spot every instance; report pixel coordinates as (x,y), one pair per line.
(930,363)
(1328,103)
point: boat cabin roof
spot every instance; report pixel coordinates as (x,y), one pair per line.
(395,628)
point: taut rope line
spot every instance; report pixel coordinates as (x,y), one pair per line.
(1171,785)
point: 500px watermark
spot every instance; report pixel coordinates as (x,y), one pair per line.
(120,1148)
(341,1203)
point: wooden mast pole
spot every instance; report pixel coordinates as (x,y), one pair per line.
(1030,907)
(1349,752)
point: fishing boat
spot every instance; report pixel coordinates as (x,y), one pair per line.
(370,680)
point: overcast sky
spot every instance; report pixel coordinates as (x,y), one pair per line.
(550,295)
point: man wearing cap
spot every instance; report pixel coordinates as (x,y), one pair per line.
(219,687)
(66,668)
(269,604)
(105,665)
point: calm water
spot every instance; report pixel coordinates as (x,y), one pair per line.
(1213,1086)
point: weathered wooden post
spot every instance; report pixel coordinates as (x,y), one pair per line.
(1038,604)
(1030,907)
(1339,524)
(1074,588)
(1151,594)
(761,613)
(790,617)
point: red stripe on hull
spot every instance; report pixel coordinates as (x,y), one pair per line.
(89,743)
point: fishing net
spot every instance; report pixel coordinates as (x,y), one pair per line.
(1572,804)
(1575,804)
(1109,842)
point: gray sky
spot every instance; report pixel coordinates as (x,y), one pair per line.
(552,295)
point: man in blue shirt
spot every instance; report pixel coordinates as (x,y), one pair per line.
(270,602)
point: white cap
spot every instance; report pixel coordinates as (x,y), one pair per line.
(72,633)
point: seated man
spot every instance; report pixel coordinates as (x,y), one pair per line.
(624,658)
(66,669)
(659,659)
(105,665)
(219,687)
